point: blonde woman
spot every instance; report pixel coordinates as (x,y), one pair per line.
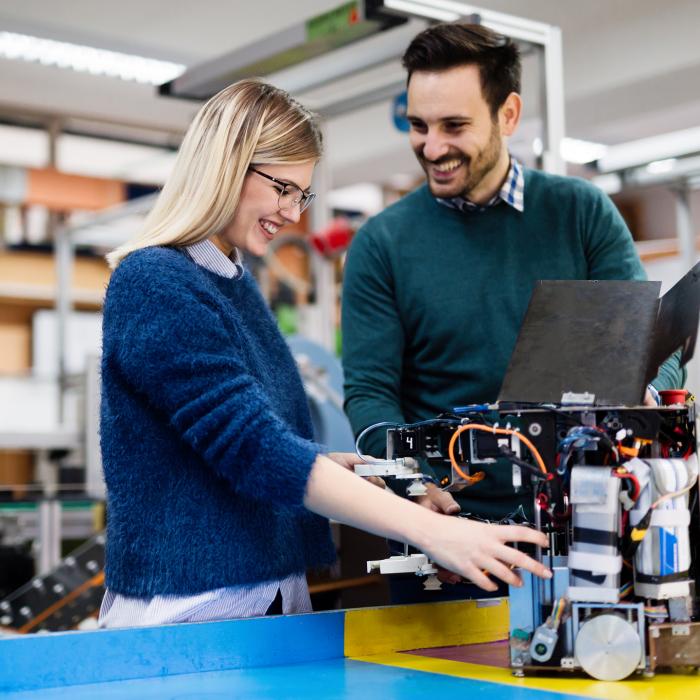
(217,496)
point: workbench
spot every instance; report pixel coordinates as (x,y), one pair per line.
(455,649)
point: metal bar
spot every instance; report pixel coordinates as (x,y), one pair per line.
(43,549)
(552,89)
(515,27)
(323,270)
(49,515)
(64,303)
(639,152)
(94,481)
(343,63)
(286,49)
(140,205)
(350,103)
(684,226)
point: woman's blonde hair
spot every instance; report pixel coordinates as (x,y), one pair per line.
(247,122)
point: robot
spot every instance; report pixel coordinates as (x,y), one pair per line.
(613,484)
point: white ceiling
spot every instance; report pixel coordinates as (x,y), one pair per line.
(631,68)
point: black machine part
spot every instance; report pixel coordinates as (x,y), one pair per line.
(583,336)
(677,322)
(602,337)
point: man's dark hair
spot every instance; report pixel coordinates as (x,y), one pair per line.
(445,46)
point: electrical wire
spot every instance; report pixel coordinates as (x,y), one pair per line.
(626,589)
(559,610)
(692,480)
(512,457)
(622,473)
(656,611)
(368,458)
(578,438)
(472,479)
(675,494)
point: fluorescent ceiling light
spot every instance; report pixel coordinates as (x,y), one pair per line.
(365,197)
(578,151)
(23,146)
(632,154)
(537,146)
(94,157)
(87,59)
(611,183)
(422,9)
(685,171)
(573,150)
(662,166)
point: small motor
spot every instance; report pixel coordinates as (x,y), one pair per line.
(543,643)
(546,636)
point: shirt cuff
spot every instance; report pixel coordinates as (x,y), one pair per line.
(654,394)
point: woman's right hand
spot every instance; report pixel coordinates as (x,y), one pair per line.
(474,550)
(471,549)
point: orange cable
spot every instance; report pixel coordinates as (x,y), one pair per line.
(96,580)
(500,431)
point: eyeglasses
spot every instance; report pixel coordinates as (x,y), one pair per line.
(289,195)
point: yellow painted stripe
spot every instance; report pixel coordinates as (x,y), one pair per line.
(382,630)
(662,687)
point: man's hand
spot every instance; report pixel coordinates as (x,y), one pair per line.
(349,460)
(438,500)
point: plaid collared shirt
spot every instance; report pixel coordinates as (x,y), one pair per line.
(512,192)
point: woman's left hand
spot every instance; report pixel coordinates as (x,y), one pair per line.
(349,460)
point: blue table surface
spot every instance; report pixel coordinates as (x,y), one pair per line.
(339,654)
(336,678)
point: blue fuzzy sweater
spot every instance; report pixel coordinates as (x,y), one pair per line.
(205,434)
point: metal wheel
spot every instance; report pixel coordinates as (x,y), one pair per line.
(608,647)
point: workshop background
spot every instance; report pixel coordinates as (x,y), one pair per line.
(87,136)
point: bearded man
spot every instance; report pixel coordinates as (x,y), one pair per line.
(437,285)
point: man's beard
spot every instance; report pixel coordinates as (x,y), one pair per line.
(476,169)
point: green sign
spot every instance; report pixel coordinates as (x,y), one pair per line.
(334,21)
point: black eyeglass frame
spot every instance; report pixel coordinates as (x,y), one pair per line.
(306,197)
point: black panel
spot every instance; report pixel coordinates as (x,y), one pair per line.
(677,324)
(584,336)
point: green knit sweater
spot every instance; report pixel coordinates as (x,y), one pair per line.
(433,300)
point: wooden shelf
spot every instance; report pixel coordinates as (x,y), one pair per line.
(29,280)
(344,583)
(39,296)
(660,248)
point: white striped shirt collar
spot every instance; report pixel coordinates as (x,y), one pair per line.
(211,258)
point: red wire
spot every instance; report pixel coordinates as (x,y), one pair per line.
(635,483)
(637,487)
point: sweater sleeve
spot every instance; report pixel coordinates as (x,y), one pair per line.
(611,255)
(373,339)
(610,251)
(167,341)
